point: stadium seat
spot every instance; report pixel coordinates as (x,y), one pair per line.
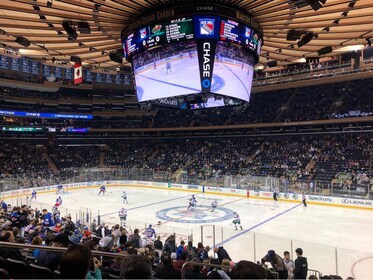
(2,262)
(4,274)
(30,259)
(17,269)
(56,274)
(39,272)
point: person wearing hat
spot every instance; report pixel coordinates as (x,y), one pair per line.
(150,232)
(277,264)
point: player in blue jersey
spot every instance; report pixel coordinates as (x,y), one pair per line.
(102,190)
(33,194)
(47,219)
(150,233)
(60,189)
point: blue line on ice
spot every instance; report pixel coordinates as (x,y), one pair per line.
(257,225)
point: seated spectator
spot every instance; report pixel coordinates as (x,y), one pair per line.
(76,261)
(51,259)
(136,267)
(167,271)
(249,270)
(195,271)
(6,252)
(36,241)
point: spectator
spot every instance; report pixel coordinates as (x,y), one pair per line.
(289,265)
(169,245)
(222,254)
(301,265)
(136,267)
(249,270)
(167,271)
(277,264)
(76,261)
(13,253)
(52,259)
(158,244)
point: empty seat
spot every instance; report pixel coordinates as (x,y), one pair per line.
(4,274)
(17,269)
(39,272)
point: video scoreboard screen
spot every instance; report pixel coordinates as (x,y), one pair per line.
(158,34)
(188,28)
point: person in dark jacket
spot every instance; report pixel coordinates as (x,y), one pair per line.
(169,245)
(7,252)
(222,254)
(158,244)
(301,265)
(52,259)
(167,271)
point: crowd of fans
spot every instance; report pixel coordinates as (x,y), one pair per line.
(135,255)
(295,158)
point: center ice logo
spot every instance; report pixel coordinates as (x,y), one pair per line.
(201,214)
(206,27)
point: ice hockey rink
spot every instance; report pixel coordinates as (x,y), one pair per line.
(335,240)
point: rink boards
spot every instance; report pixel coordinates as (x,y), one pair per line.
(289,197)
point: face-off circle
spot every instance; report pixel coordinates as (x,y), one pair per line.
(197,215)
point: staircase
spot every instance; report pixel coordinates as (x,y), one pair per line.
(51,164)
(101,156)
(286,106)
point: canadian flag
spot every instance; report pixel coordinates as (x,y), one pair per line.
(78,73)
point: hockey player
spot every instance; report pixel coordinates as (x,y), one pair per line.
(168,67)
(192,202)
(214,204)
(122,216)
(304,199)
(33,194)
(124,197)
(58,201)
(237,220)
(150,233)
(59,189)
(102,190)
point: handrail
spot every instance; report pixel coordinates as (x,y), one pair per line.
(183,268)
(56,249)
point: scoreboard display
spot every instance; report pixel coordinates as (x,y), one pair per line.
(158,34)
(185,28)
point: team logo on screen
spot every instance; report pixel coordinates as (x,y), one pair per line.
(247,32)
(156,29)
(206,26)
(143,33)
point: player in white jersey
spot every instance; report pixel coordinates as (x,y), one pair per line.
(214,204)
(124,197)
(102,190)
(150,233)
(237,220)
(58,201)
(122,216)
(60,189)
(192,202)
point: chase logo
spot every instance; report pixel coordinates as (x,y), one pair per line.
(206,26)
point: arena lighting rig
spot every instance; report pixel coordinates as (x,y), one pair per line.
(193,56)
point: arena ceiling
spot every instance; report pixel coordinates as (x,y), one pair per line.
(344,25)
